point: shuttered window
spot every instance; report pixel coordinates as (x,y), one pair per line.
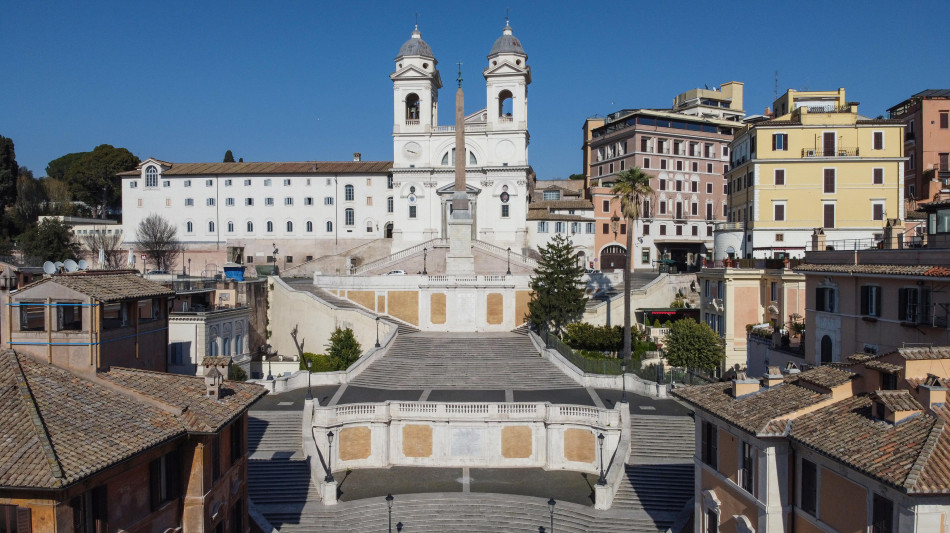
(779,212)
(829,221)
(878,176)
(878,140)
(780,176)
(870,300)
(877,211)
(829,181)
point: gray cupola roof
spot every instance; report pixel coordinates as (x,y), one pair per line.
(415,46)
(507,44)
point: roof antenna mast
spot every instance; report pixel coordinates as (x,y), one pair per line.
(507,13)
(417,21)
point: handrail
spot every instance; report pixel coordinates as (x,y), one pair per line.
(401,254)
(487,246)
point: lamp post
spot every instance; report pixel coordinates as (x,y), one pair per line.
(602,480)
(308,362)
(509,262)
(329,476)
(377,331)
(425,254)
(623,378)
(273,270)
(189,267)
(389,507)
(270,375)
(551,504)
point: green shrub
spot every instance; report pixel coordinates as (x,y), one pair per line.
(320,363)
(237,373)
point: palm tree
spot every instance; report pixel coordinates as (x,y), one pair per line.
(631,187)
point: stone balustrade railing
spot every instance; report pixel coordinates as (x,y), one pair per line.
(463,411)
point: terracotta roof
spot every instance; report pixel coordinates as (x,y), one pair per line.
(106,286)
(302,167)
(895,270)
(201,414)
(912,455)
(897,400)
(216,360)
(756,413)
(562,204)
(56,428)
(915,382)
(826,376)
(924,353)
(543,214)
(881,366)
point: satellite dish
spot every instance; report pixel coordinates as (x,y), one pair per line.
(70,265)
(83,265)
(49,267)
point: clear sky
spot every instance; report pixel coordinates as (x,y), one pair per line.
(294,81)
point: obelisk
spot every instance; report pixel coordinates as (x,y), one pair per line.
(460,259)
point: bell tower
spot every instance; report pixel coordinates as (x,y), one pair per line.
(507,78)
(416,84)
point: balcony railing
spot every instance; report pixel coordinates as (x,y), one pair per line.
(753,263)
(838,152)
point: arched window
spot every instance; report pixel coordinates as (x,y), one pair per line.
(230,227)
(270,227)
(151,176)
(329,226)
(227,347)
(238,346)
(290,226)
(349,217)
(348,193)
(471,159)
(504,104)
(211,226)
(309,227)
(250,227)
(389,204)
(189,227)
(412,106)
(214,347)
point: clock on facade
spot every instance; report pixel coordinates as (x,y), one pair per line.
(411,150)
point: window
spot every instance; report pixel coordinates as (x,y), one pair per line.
(504,211)
(250,227)
(412,211)
(270,227)
(189,227)
(390,204)
(646,229)
(216,454)
(369,227)
(694,166)
(878,140)
(328,200)
(133,184)
(663,207)
(870,300)
(710,443)
(709,211)
(151,176)
(329,226)
(709,168)
(646,162)
(308,200)
(369,200)
(32,317)
(623,229)
(389,182)
(825,299)
(248,201)
(286,182)
(606,228)
(694,209)
(679,165)
(187,183)
(662,185)
(590,228)
(560,227)
(164,479)
(552,195)
(237,437)
(209,183)
(882,509)
(694,186)
(166,183)
(189,202)
(247,183)
(878,176)
(606,206)
(809,501)
(349,217)
(267,183)
(230,227)
(227,183)
(290,227)
(877,211)
(309,227)
(829,215)
(944,162)
(229,202)
(543,226)
(210,226)
(780,176)
(748,468)
(209,202)
(288,201)
(694,230)
(662,229)
(349,193)
(575,227)
(679,185)
(913,305)
(647,213)
(645,255)
(779,211)
(780,141)
(663,164)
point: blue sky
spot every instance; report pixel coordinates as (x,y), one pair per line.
(292,81)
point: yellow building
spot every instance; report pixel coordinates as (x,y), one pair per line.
(818,165)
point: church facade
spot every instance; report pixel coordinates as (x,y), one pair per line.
(243,211)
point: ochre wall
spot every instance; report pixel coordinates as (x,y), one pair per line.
(365,298)
(437,308)
(355,443)
(516,442)
(495,308)
(728,456)
(735,502)
(843,504)
(404,305)
(417,441)
(802,525)
(521,306)
(380,304)
(579,445)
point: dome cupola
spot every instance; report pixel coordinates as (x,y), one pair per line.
(506,44)
(415,46)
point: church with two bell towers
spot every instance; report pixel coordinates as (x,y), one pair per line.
(498,177)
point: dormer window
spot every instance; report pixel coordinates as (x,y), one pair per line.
(151,176)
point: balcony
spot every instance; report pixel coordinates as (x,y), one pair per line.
(760,264)
(839,152)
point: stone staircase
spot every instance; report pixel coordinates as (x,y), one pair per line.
(482,361)
(278,473)
(662,439)
(440,512)
(343,303)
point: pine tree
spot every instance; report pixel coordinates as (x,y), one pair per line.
(228,157)
(343,348)
(557,290)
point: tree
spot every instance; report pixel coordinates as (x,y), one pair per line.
(30,198)
(110,242)
(691,344)
(50,240)
(58,167)
(228,157)
(343,348)
(631,187)
(59,199)
(557,296)
(158,240)
(93,177)
(9,171)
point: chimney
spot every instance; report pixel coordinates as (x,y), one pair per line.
(742,386)
(357,156)
(768,112)
(931,393)
(213,381)
(893,234)
(773,376)
(818,240)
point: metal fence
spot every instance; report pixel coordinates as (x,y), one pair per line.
(589,365)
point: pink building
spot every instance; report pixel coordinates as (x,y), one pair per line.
(926,143)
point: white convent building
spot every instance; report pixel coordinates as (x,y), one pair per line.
(242,211)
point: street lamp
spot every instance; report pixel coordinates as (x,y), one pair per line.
(329,476)
(389,505)
(273,270)
(189,267)
(623,378)
(377,331)
(509,261)
(308,361)
(551,504)
(602,480)
(425,253)
(270,375)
